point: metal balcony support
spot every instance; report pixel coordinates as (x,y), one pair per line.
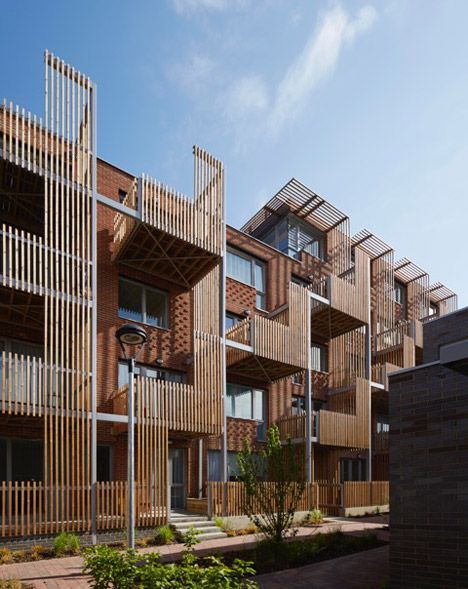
(369,373)
(309,407)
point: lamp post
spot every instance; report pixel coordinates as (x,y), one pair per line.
(131,335)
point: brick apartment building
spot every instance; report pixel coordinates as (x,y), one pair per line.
(290,320)
(429,460)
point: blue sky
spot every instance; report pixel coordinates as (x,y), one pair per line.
(367,103)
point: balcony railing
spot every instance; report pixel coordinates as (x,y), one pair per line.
(179,406)
(293,427)
(28,385)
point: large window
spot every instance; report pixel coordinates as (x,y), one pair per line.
(353,469)
(215,466)
(141,303)
(319,358)
(21,460)
(149,372)
(292,236)
(247,403)
(249,270)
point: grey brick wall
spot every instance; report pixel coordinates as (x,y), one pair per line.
(445,330)
(429,471)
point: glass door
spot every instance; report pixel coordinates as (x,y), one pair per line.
(177,461)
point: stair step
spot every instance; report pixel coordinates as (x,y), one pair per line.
(201,528)
(212,536)
(180,518)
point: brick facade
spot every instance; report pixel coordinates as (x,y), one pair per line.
(429,467)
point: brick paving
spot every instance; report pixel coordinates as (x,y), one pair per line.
(363,570)
(65,573)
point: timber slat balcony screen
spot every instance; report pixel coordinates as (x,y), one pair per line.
(348,296)
(278,345)
(293,427)
(22,260)
(177,238)
(186,409)
(22,138)
(348,430)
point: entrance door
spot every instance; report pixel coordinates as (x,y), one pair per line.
(177,459)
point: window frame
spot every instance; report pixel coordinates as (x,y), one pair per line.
(261,423)
(141,370)
(9,441)
(260,295)
(144,288)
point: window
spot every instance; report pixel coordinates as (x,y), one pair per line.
(382,426)
(292,236)
(21,460)
(297,378)
(232,320)
(298,405)
(215,466)
(122,195)
(399,293)
(433,309)
(246,269)
(104,462)
(300,281)
(319,358)
(247,403)
(353,469)
(149,372)
(142,303)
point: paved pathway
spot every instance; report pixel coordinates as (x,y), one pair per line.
(363,570)
(65,573)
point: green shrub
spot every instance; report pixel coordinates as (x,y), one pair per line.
(315,517)
(111,569)
(190,538)
(66,543)
(163,535)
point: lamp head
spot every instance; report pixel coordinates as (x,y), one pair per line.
(131,335)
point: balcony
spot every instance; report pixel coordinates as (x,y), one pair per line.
(267,349)
(380,442)
(397,347)
(175,238)
(179,407)
(347,429)
(341,303)
(293,427)
(28,386)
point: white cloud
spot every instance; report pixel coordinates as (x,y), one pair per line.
(317,61)
(194,72)
(190,6)
(245,97)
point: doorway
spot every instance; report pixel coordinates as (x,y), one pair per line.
(177,462)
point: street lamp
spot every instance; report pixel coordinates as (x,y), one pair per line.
(131,335)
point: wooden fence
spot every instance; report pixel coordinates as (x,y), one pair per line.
(227,499)
(26,508)
(365,494)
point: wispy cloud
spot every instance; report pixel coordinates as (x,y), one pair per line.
(245,97)
(193,72)
(191,6)
(317,61)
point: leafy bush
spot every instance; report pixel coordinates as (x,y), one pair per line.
(38,552)
(315,517)
(111,569)
(6,556)
(66,543)
(11,584)
(163,535)
(190,538)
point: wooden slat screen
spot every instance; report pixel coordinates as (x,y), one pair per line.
(365,493)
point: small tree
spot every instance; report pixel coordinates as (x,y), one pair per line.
(274,484)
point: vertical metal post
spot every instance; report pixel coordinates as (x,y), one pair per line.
(94,320)
(200,468)
(222,333)
(369,371)
(309,405)
(130,457)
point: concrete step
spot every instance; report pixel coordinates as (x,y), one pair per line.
(201,527)
(212,536)
(176,518)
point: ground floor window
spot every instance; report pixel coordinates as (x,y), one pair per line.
(104,462)
(353,469)
(21,460)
